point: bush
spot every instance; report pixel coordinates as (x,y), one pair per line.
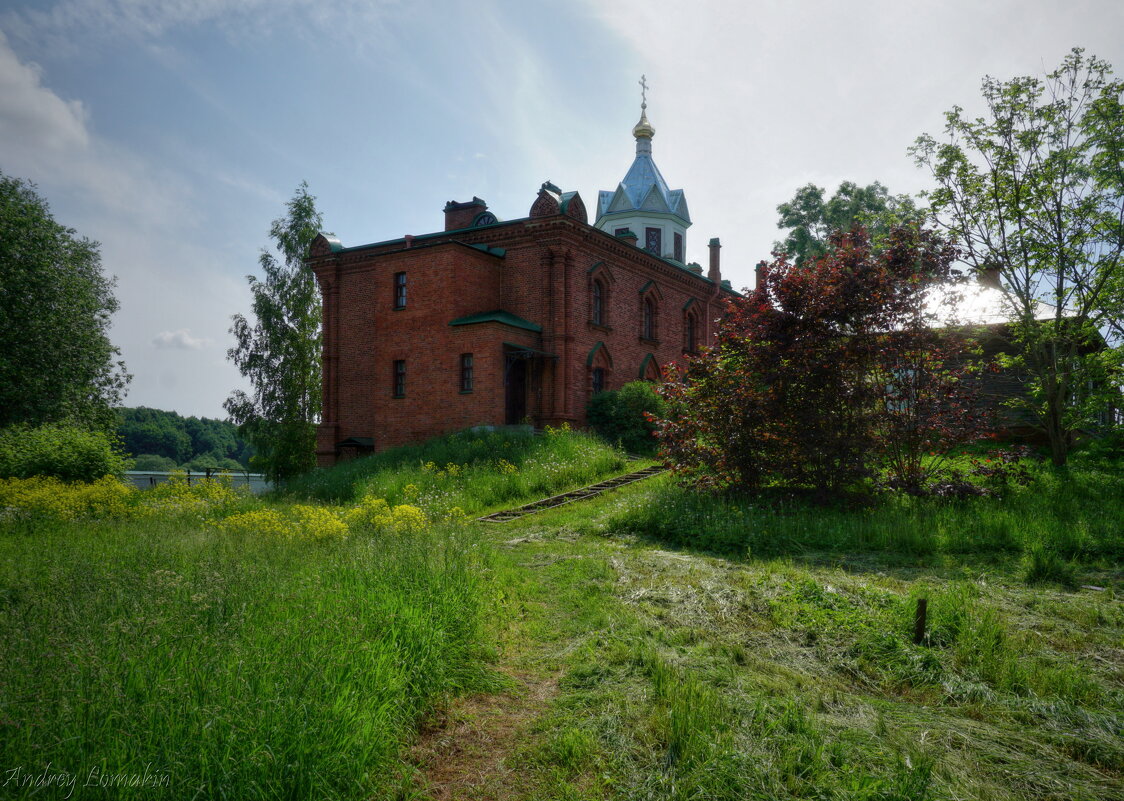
(45,497)
(150,461)
(66,452)
(622,416)
(825,372)
(211,460)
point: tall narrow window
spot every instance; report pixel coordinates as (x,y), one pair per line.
(678,245)
(653,241)
(690,343)
(400,290)
(399,378)
(648,324)
(598,315)
(466,372)
(598,380)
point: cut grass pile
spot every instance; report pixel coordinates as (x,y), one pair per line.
(476,471)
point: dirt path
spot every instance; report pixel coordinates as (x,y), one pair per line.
(466,752)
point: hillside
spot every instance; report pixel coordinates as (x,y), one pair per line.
(161,440)
(647,643)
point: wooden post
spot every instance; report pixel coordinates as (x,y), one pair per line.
(919,620)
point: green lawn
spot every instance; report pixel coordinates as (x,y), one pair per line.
(646,644)
(704,648)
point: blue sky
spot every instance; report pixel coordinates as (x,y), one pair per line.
(173,132)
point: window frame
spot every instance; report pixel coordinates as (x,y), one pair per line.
(659,241)
(467,370)
(690,333)
(400,293)
(648,314)
(597,380)
(398,385)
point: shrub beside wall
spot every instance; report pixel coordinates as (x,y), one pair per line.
(619,416)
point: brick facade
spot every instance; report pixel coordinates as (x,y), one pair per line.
(519,297)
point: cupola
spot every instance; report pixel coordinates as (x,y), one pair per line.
(642,201)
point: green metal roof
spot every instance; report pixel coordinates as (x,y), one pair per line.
(498,316)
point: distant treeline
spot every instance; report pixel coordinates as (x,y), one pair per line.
(160,440)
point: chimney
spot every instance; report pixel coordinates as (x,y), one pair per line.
(628,237)
(759,275)
(988,276)
(715,272)
(461,215)
(409,240)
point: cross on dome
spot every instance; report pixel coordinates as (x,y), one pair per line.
(643,129)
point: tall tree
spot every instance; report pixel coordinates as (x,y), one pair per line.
(813,220)
(280,352)
(1034,190)
(56,360)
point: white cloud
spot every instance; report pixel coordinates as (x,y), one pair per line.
(150,225)
(180,339)
(32,116)
(751,101)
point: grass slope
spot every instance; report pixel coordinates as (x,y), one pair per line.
(683,674)
(234,663)
(646,644)
(475,471)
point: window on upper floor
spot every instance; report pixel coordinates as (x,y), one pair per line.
(690,333)
(466,372)
(648,319)
(597,300)
(400,290)
(677,240)
(399,378)
(653,241)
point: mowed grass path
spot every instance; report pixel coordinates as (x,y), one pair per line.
(680,672)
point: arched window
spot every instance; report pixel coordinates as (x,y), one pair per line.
(599,365)
(648,323)
(650,369)
(690,334)
(598,312)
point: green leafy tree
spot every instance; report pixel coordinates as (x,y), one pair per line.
(1034,191)
(56,360)
(145,431)
(280,352)
(813,220)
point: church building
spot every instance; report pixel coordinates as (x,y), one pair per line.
(494,322)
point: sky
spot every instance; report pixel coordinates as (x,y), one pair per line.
(174,131)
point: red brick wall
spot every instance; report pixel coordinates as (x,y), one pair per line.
(544,277)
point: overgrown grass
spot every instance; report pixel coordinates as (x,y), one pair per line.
(474,471)
(229,666)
